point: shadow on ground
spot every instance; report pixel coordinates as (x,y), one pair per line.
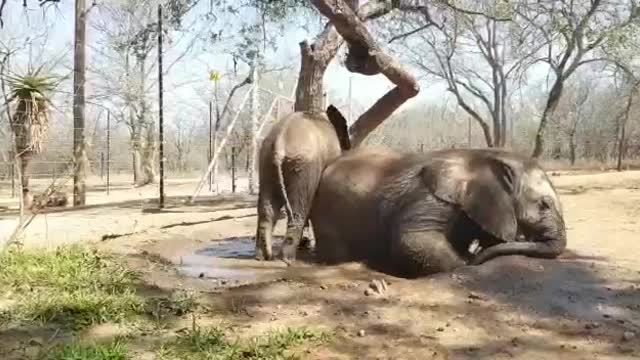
(574,307)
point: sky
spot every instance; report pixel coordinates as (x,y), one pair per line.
(186,85)
(57,21)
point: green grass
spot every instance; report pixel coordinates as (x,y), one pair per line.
(212,344)
(115,350)
(71,286)
(74,287)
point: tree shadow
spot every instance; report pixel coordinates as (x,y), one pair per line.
(556,300)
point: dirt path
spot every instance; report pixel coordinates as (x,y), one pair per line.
(585,305)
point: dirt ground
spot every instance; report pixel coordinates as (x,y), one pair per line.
(585,305)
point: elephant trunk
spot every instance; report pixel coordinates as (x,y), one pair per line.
(547,245)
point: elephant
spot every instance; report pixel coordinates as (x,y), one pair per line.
(292,157)
(418,214)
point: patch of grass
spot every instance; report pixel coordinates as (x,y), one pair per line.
(211,343)
(70,286)
(115,350)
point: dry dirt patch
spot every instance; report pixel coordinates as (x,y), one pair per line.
(582,306)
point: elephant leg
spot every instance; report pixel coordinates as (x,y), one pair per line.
(417,253)
(301,187)
(307,242)
(268,209)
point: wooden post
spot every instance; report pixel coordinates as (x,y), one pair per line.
(210,142)
(108,149)
(101,166)
(12,171)
(233,169)
(160,114)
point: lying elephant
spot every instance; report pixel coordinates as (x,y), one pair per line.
(418,213)
(291,160)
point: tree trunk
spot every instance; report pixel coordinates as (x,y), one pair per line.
(149,154)
(255,109)
(503,112)
(79,152)
(552,103)
(572,148)
(316,57)
(314,61)
(623,127)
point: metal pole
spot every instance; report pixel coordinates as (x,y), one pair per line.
(255,108)
(210,142)
(101,166)
(349,118)
(160,115)
(13,173)
(108,149)
(233,169)
(469,132)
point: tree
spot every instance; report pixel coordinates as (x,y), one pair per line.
(571,113)
(79,70)
(129,29)
(30,95)
(569,31)
(473,54)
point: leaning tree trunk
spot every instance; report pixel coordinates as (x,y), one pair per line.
(623,126)
(364,57)
(552,103)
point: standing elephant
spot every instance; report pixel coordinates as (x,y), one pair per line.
(417,214)
(292,157)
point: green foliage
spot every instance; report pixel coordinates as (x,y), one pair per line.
(33,85)
(115,350)
(69,286)
(211,343)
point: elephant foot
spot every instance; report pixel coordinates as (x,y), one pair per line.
(262,255)
(289,254)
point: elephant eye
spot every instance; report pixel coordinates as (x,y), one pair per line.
(544,204)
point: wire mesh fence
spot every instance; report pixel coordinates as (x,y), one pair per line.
(114,153)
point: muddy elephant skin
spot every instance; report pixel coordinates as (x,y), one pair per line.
(417,214)
(291,159)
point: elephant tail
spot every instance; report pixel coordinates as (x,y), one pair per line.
(279,155)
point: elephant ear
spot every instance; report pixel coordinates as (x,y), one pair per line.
(482,186)
(340,125)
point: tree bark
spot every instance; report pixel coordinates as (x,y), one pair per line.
(149,154)
(572,148)
(623,127)
(79,67)
(255,109)
(366,57)
(552,103)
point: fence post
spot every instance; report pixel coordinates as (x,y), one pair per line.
(233,169)
(101,166)
(108,149)
(12,171)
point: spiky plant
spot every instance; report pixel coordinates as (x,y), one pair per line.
(30,99)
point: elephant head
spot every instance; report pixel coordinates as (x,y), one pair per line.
(506,195)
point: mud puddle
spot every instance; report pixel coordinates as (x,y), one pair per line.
(230,262)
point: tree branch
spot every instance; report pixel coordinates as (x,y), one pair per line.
(366,57)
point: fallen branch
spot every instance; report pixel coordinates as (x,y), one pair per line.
(366,57)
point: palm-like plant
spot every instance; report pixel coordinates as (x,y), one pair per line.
(30,97)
